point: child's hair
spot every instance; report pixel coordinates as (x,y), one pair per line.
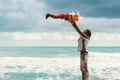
(87,32)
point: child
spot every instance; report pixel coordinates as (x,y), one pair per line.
(73,18)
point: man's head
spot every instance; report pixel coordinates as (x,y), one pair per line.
(87,32)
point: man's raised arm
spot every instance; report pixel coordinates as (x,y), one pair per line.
(79,32)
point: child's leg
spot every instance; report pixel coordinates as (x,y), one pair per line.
(59,16)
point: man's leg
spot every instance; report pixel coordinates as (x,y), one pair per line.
(84,66)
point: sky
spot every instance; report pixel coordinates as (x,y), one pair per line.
(23,23)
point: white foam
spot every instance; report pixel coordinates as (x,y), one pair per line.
(105,66)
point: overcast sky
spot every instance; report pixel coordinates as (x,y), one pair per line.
(23,23)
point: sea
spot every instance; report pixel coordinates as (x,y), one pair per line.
(58,63)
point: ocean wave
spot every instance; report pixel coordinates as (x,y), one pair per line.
(101,67)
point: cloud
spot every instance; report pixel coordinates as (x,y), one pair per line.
(15,15)
(42,36)
(29,15)
(87,8)
(106,37)
(18,16)
(6,5)
(22,22)
(36,39)
(101,24)
(38,36)
(55,39)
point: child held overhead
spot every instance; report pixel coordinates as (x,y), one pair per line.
(72,18)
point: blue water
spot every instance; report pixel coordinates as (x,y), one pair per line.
(57,63)
(51,51)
